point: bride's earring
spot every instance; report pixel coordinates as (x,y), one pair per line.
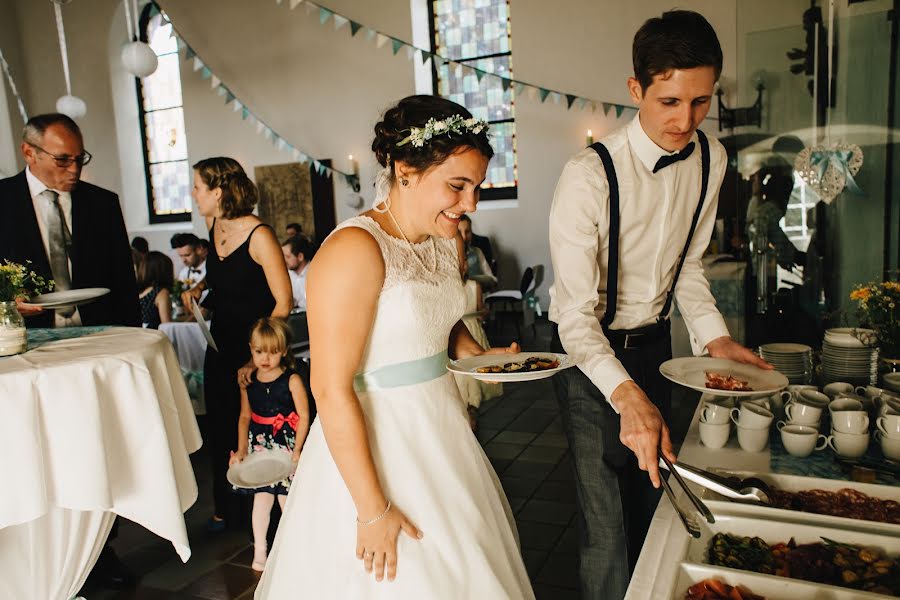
(404,181)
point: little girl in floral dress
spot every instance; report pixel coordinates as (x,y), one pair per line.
(274,415)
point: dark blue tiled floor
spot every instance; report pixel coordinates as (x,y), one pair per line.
(521,434)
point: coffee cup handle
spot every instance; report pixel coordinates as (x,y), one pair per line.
(735,413)
(787,411)
(880,424)
(821,443)
(779,425)
(879,434)
(829,441)
(860,389)
(786,396)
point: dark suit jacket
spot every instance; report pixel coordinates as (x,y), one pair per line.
(484,244)
(101,256)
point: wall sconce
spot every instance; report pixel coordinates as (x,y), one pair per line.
(729,118)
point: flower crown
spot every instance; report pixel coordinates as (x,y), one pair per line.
(455,124)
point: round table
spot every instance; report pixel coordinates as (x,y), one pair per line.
(190,347)
(95,425)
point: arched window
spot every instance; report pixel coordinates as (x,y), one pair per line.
(162,116)
(477,33)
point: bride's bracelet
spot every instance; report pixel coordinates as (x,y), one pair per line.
(376,519)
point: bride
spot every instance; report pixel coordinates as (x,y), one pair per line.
(391,484)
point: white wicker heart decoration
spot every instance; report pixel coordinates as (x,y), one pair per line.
(830,169)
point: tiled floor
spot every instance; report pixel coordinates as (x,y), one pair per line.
(521,434)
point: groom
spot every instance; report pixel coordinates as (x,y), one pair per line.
(630,220)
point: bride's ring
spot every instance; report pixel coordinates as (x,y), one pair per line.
(368,554)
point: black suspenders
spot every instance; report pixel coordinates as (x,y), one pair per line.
(612,274)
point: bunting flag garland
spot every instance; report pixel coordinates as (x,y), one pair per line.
(425,54)
(12,88)
(262,128)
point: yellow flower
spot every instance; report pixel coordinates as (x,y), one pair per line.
(861,294)
(892,285)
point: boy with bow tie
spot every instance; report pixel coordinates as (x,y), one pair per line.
(630,220)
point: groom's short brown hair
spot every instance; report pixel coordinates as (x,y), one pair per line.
(679,39)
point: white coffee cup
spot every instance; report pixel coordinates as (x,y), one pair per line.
(714,414)
(792,392)
(838,387)
(799,413)
(814,398)
(752,416)
(714,435)
(802,440)
(753,440)
(889,405)
(844,404)
(849,445)
(892,381)
(889,425)
(850,421)
(890,446)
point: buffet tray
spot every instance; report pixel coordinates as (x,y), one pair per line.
(794,483)
(772,532)
(769,586)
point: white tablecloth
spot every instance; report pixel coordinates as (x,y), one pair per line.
(189,343)
(93,427)
(657,565)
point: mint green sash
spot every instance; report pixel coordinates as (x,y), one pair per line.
(405,373)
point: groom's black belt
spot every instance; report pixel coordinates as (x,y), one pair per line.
(629,339)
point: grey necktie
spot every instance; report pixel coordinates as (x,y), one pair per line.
(60,243)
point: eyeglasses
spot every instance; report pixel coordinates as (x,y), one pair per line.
(64,162)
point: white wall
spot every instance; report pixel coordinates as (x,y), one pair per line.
(324,91)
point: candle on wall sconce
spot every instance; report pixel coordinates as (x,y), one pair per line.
(354,165)
(590,138)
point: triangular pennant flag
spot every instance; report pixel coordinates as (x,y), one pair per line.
(340,21)
(424,55)
(570,98)
(532,92)
(410,52)
(278,1)
(606,107)
(229,97)
(557,97)
(189,52)
(280,143)
(619,109)
(214,82)
(354,28)
(505,83)
(593,106)
(582,102)
(206,73)
(295,154)
(316,165)
(479,74)
(259,126)
(396,45)
(457,72)
(544,94)
(324,13)
(198,64)
(221,90)
(237,105)
(179,42)
(303,157)
(309,7)
(294,3)
(245,114)
(370,34)
(520,88)
(381,39)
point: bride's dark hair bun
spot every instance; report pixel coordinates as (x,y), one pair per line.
(415,111)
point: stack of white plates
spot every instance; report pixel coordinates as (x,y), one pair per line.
(794,361)
(892,382)
(850,354)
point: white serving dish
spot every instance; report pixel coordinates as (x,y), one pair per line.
(773,531)
(794,483)
(771,587)
(690,372)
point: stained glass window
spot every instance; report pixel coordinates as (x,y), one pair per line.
(162,115)
(476,33)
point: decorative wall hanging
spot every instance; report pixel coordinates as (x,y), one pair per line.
(828,170)
(138,58)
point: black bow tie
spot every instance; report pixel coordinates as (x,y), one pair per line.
(668,159)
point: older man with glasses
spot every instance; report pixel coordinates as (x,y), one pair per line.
(72,232)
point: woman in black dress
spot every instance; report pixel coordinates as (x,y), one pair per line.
(247,279)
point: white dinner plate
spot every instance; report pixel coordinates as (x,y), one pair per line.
(691,373)
(68,297)
(785,348)
(468,366)
(260,469)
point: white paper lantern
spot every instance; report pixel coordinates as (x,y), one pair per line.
(72,106)
(139,59)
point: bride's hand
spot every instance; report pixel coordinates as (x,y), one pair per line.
(478,350)
(376,544)
(513,348)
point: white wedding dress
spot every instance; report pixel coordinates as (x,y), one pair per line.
(429,462)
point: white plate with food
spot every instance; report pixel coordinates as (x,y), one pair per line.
(503,368)
(260,469)
(722,377)
(68,297)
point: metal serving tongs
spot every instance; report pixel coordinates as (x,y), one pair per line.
(689,523)
(751,490)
